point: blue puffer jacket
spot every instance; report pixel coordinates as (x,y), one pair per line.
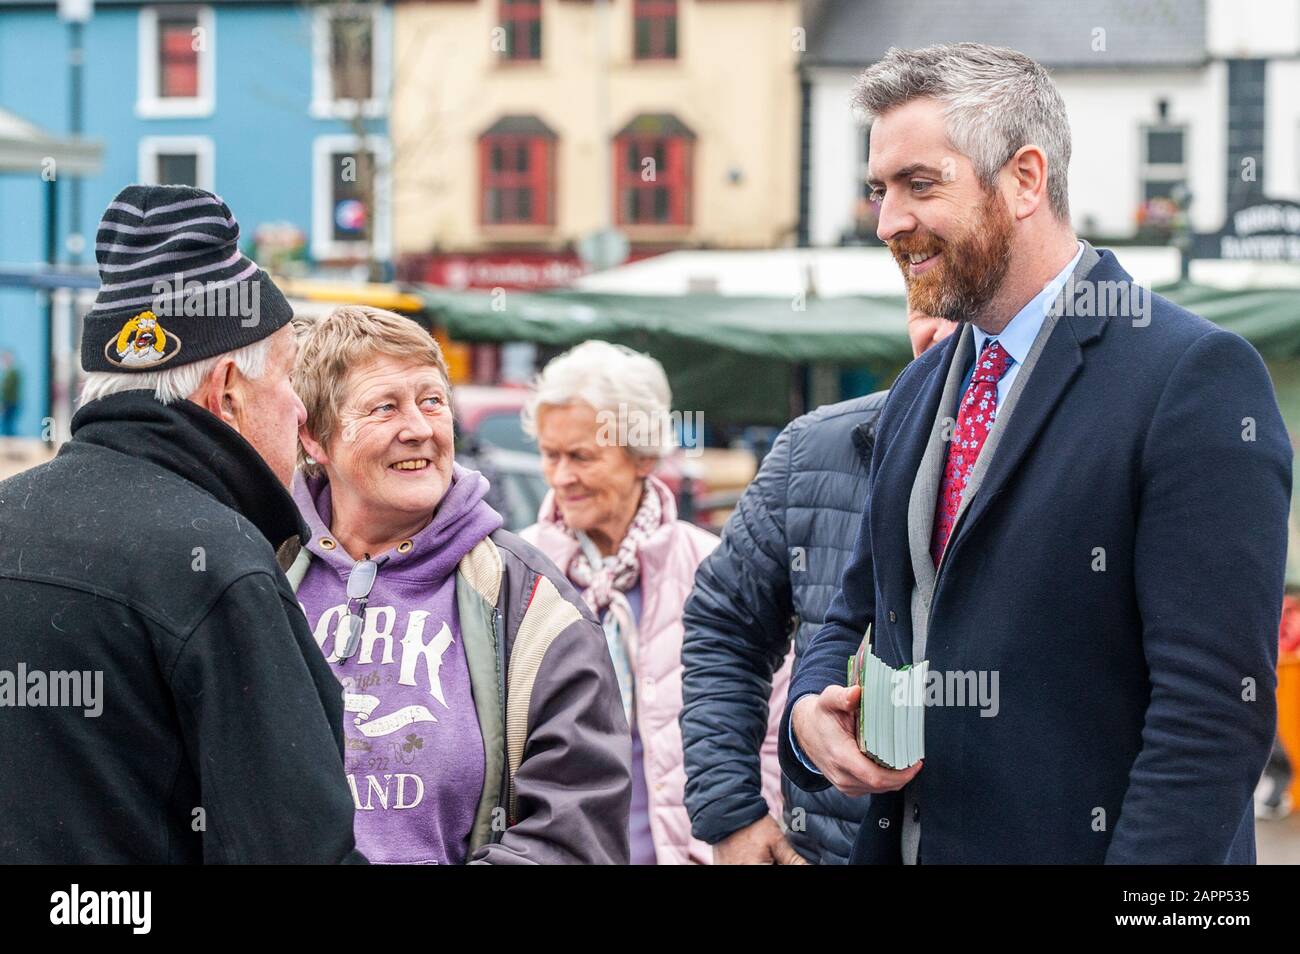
(776,571)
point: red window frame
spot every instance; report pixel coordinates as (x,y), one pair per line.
(655,21)
(665,200)
(522,196)
(522,21)
(178,61)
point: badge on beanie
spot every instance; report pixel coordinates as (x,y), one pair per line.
(142,343)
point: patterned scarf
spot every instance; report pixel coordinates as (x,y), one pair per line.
(620,574)
(604,585)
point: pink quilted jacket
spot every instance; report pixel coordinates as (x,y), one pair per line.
(668,563)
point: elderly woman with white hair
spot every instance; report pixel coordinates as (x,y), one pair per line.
(601,416)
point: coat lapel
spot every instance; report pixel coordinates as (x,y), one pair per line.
(1051,376)
(929,476)
(893,482)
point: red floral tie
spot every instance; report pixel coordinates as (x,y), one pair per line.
(978,408)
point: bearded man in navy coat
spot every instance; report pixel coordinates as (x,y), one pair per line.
(1078,516)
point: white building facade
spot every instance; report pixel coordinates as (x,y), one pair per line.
(1203,94)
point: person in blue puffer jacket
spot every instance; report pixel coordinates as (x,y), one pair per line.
(777,569)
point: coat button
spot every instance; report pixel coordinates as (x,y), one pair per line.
(893,617)
(916,811)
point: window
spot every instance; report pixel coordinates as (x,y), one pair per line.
(178,72)
(177,46)
(178,168)
(522,22)
(350,203)
(177,160)
(350,55)
(866,214)
(652,171)
(1164,165)
(1165,146)
(517,172)
(654,29)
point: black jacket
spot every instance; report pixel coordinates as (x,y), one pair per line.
(777,568)
(141,552)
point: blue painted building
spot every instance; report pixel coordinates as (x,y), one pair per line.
(271,105)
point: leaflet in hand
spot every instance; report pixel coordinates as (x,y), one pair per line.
(890,721)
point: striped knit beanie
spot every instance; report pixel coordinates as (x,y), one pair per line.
(173,285)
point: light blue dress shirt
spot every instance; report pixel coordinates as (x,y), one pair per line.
(1017,338)
(1021,331)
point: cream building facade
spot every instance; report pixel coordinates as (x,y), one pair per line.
(675,122)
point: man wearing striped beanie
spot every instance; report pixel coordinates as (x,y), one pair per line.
(140,564)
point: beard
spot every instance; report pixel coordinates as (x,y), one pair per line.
(971,270)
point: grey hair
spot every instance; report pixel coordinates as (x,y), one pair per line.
(628,389)
(995,101)
(176,384)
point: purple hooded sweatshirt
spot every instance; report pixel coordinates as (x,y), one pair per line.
(413,750)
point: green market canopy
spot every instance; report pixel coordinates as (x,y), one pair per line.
(736,358)
(849,330)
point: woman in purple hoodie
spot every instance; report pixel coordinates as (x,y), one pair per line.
(483,718)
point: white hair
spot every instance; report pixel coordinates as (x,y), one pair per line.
(176,384)
(996,100)
(629,391)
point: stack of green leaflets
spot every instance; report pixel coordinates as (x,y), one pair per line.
(890,720)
